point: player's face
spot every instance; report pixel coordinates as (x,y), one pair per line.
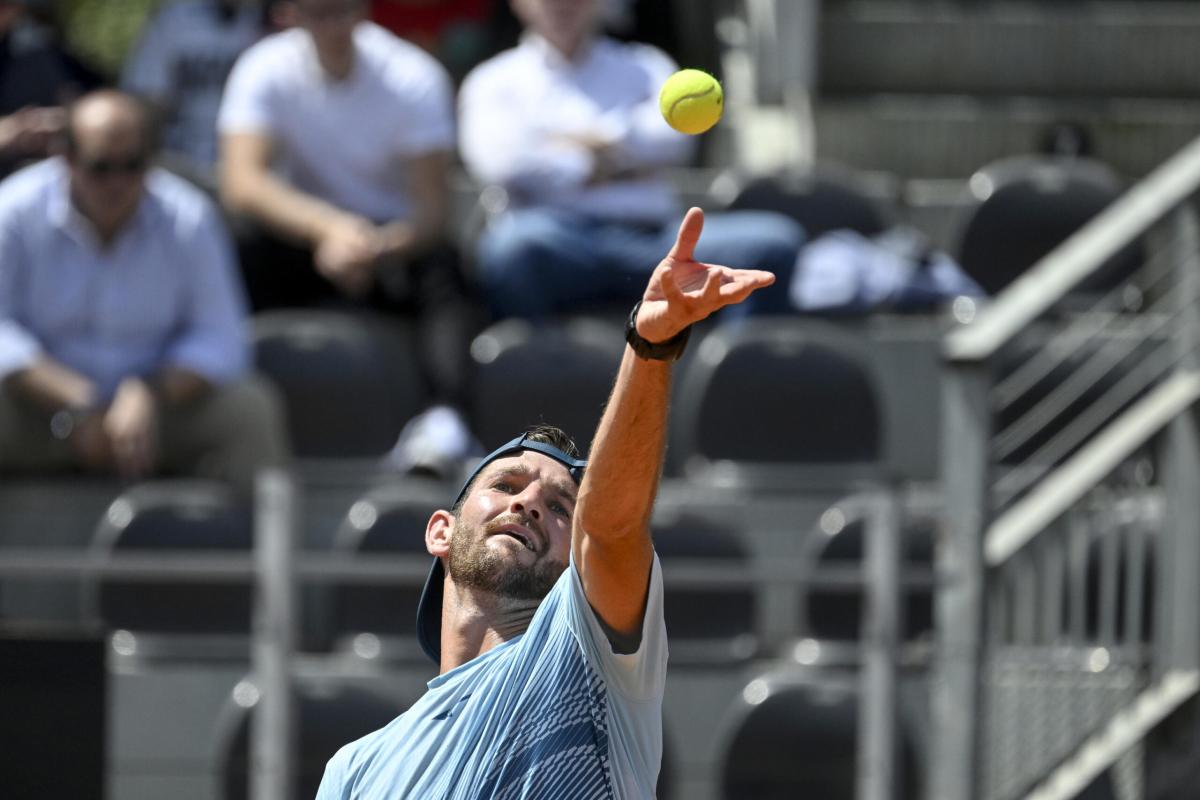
(512,535)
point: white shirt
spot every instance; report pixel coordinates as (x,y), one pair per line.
(344,141)
(182,60)
(165,292)
(516,109)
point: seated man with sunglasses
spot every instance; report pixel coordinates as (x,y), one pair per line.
(122,323)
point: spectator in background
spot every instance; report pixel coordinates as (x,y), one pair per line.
(456,32)
(122,337)
(36,79)
(180,64)
(568,123)
(335,142)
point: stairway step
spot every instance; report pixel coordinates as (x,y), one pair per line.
(952,136)
(1144,49)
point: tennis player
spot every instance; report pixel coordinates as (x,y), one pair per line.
(543,609)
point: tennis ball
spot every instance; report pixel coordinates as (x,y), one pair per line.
(691,101)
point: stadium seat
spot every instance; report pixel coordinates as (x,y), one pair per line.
(172,517)
(796,735)
(389,519)
(822,200)
(328,716)
(349,380)
(834,613)
(558,373)
(705,626)
(770,402)
(1021,208)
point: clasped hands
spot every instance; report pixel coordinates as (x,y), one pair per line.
(348,251)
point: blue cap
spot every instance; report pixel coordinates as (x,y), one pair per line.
(429,610)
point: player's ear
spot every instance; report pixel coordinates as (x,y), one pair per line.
(438,532)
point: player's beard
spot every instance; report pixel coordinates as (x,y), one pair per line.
(472,563)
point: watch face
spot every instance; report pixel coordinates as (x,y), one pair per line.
(62,424)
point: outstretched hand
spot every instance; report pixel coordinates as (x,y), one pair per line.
(683,291)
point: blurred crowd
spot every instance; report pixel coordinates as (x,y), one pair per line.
(250,155)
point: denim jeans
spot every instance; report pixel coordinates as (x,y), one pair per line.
(541,261)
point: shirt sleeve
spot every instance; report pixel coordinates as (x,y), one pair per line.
(246,105)
(430,98)
(333,782)
(212,341)
(18,347)
(638,675)
(148,71)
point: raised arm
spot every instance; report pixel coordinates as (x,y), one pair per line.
(610,537)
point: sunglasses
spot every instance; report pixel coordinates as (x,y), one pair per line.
(103,167)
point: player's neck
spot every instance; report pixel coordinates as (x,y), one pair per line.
(474,623)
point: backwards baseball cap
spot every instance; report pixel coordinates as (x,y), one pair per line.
(429,610)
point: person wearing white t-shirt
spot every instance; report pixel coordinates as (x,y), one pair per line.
(568,124)
(335,141)
(544,605)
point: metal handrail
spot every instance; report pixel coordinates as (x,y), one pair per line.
(1046,282)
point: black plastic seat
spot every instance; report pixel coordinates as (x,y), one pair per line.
(349,380)
(172,518)
(328,716)
(1023,207)
(388,520)
(822,200)
(834,613)
(796,735)
(558,373)
(768,401)
(705,625)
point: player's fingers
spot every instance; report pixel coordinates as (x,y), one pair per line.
(689,233)
(712,285)
(743,284)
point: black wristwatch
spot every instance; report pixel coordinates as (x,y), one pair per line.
(670,350)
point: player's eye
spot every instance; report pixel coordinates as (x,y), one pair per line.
(560,509)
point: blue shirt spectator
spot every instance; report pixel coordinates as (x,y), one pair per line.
(122,336)
(163,292)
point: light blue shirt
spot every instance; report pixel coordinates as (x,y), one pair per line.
(551,714)
(163,293)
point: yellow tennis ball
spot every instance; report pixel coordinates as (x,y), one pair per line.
(691,101)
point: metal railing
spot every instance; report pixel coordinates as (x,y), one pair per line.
(1070,465)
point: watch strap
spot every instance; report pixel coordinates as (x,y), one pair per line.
(670,350)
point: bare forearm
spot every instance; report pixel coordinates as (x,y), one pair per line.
(53,385)
(625,462)
(280,207)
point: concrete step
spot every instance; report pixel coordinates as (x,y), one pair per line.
(1139,49)
(952,136)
